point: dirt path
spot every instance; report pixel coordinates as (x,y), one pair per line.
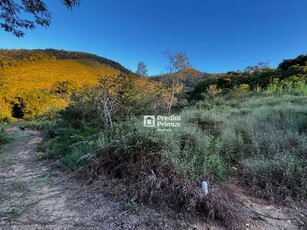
(271,216)
(37,194)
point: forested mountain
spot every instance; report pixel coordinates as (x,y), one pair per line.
(189,77)
(38,54)
(48,77)
(24,70)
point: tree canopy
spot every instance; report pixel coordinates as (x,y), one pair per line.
(301,60)
(142,69)
(14,15)
(178,60)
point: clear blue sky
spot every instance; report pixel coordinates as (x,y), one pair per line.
(217,35)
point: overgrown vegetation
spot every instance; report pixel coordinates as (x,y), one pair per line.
(264,136)
(256,78)
(254,120)
(208,142)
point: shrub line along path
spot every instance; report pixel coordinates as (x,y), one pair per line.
(36,194)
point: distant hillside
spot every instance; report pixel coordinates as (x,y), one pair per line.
(25,70)
(59,55)
(189,77)
(33,82)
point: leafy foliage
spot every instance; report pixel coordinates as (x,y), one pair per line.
(63,89)
(12,10)
(301,60)
(115,99)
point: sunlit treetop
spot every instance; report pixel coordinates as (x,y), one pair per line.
(14,14)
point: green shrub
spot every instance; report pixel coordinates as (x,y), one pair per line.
(289,87)
(190,150)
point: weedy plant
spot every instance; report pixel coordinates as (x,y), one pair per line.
(3,136)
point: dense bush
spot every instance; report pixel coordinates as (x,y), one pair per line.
(238,81)
(301,60)
(115,99)
(35,103)
(262,132)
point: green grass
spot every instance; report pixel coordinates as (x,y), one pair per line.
(42,181)
(5,160)
(266,136)
(3,136)
(17,210)
(6,196)
(18,184)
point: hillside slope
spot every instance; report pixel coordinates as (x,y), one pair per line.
(189,77)
(24,54)
(42,75)
(41,78)
(24,70)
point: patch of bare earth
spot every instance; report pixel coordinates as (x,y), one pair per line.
(288,215)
